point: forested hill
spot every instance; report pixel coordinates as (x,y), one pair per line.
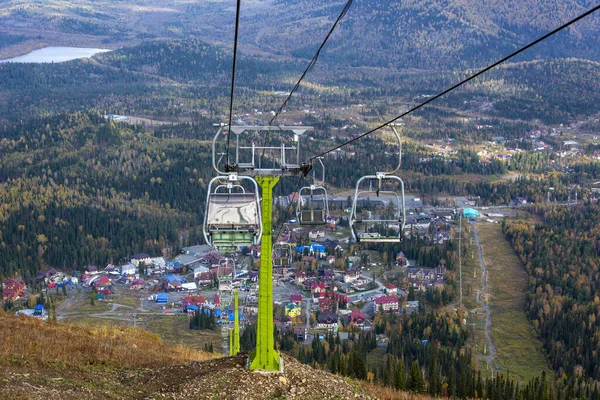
(140,80)
(193,61)
(431,34)
(439,33)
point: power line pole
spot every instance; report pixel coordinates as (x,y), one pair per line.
(460,260)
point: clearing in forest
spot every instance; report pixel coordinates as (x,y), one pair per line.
(518,350)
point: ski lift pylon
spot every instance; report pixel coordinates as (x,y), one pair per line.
(383,229)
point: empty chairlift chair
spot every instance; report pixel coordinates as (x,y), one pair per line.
(282,255)
(378,221)
(232,217)
(313,204)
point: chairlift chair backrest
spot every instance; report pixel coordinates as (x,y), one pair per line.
(282,255)
(365,229)
(361,227)
(306,211)
(232,217)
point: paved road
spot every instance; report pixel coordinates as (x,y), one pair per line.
(484,305)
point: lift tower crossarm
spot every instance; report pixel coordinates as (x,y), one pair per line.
(286,156)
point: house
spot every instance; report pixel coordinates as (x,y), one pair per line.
(296,298)
(253,276)
(316,234)
(300,277)
(102,283)
(357,318)
(420,274)
(293,310)
(139,258)
(339,298)
(190,300)
(445,215)
(204,278)
(390,289)
(198,270)
(12,289)
(388,303)
(317,290)
(326,304)
(313,249)
(300,332)
(521,200)
(351,275)
(173,282)
(137,284)
(327,320)
(92,270)
(128,269)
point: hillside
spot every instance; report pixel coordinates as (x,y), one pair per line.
(436,34)
(40,360)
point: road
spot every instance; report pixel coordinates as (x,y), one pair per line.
(484,305)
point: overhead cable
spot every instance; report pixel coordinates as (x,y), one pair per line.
(235,45)
(522,49)
(312,62)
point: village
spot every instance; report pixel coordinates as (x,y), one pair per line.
(322,282)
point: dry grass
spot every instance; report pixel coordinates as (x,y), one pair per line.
(29,340)
(386,393)
(174,329)
(518,349)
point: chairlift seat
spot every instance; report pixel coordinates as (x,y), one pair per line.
(232,212)
(312,217)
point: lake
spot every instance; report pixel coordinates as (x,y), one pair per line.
(54,54)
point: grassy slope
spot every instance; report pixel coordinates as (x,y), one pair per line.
(70,361)
(518,349)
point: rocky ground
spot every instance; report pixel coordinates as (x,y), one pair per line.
(223,378)
(228,378)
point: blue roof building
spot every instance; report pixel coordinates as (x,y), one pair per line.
(470,213)
(162,298)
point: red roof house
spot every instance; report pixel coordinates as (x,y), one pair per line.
(12,289)
(390,288)
(317,290)
(388,303)
(193,301)
(296,298)
(357,318)
(326,304)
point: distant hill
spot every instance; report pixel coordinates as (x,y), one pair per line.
(433,34)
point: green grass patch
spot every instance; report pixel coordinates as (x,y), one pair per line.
(518,349)
(174,329)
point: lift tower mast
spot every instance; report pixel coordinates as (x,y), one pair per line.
(266,164)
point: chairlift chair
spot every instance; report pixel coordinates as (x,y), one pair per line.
(232,217)
(368,229)
(307,213)
(282,255)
